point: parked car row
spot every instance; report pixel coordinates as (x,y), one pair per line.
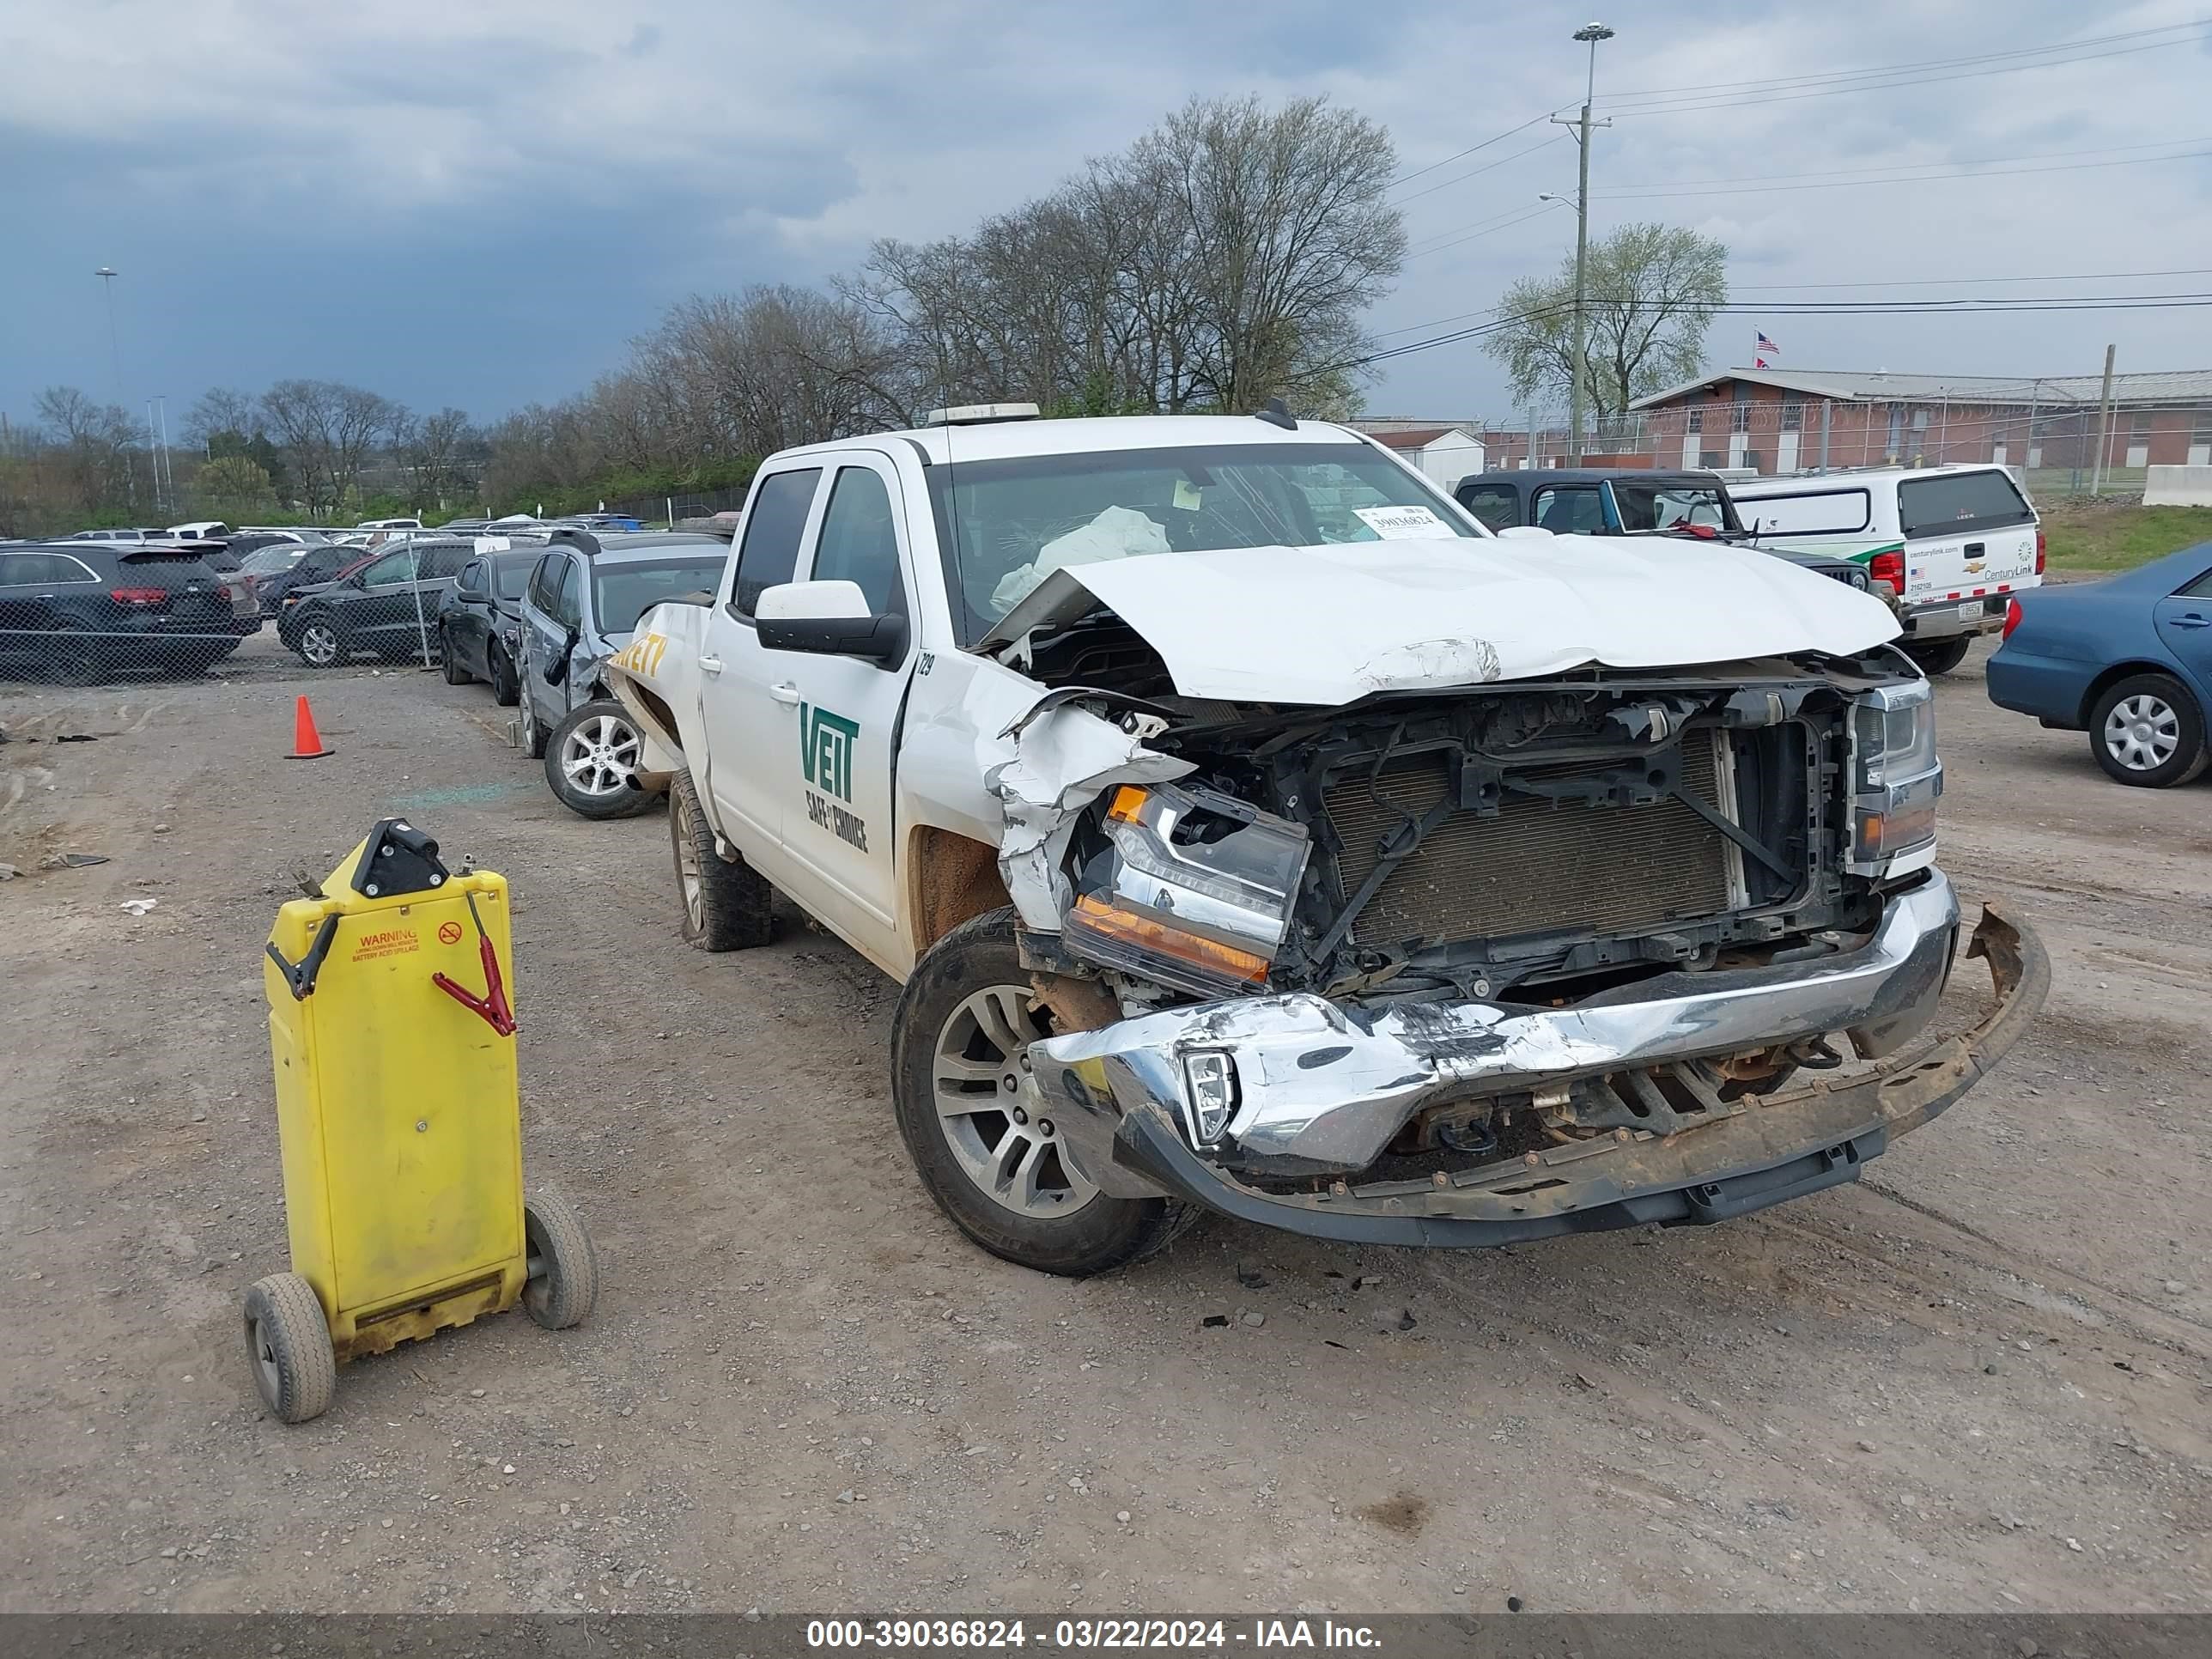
(537,623)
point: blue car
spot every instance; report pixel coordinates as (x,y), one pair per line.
(2127,659)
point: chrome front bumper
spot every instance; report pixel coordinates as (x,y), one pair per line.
(1323,1089)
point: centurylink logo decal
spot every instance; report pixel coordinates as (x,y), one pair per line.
(826,742)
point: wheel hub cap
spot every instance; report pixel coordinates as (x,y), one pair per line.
(987,1106)
(2142,732)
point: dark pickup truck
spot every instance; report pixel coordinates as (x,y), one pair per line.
(1634,501)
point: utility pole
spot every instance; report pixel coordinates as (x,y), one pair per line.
(2104,425)
(1590,33)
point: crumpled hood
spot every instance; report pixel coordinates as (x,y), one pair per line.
(1332,624)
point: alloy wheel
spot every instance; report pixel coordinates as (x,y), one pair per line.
(319,644)
(987,1106)
(600,756)
(2143,732)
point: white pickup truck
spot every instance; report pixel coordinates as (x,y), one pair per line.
(1254,832)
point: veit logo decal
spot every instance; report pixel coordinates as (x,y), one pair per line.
(826,742)
(825,746)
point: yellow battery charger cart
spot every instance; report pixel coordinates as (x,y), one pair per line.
(400,1115)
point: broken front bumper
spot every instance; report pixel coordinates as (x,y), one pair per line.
(1321,1090)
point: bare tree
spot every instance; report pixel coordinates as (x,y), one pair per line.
(95,448)
(221,409)
(327,430)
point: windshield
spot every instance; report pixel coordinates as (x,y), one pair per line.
(1007,524)
(269,560)
(511,573)
(621,593)
(1650,508)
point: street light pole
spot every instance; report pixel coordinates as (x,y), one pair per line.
(1590,33)
(106,275)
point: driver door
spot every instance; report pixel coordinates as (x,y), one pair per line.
(840,715)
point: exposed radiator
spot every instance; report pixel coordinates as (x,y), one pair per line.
(1538,865)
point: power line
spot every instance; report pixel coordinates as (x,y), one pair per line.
(1889,282)
(1913,166)
(1749,101)
(1488,166)
(1951,281)
(1787,81)
(1660,194)
(1962,306)
(1485,228)
(1534,120)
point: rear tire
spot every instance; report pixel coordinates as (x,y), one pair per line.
(727,906)
(1016,1217)
(590,762)
(1941,656)
(533,734)
(506,690)
(289,1343)
(321,642)
(2146,731)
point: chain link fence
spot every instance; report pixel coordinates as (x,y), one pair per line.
(97,613)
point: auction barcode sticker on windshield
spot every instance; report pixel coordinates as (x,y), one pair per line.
(1395,523)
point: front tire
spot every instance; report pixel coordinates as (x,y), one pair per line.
(1941,656)
(967,1112)
(449,660)
(727,906)
(2146,731)
(591,761)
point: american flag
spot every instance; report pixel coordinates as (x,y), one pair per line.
(1762,349)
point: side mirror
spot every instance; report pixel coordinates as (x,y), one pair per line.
(829,619)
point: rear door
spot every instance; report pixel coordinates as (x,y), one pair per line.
(2185,627)
(839,737)
(1969,537)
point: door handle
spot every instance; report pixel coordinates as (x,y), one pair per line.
(786,693)
(710,664)
(2192,620)
(1975,550)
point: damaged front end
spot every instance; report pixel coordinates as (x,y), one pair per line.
(1472,966)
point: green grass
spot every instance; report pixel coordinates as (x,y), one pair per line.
(2097,540)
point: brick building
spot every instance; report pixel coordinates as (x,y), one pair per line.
(1774,421)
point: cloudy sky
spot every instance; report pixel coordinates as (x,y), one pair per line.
(478,202)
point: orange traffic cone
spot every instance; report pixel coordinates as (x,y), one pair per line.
(306,742)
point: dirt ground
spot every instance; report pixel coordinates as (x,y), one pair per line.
(1980,1379)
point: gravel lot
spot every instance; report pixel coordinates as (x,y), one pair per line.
(1980,1379)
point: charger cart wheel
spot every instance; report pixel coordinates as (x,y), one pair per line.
(564,1274)
(288,1342)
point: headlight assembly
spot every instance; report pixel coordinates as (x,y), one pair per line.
(1193,888)
(1896,777)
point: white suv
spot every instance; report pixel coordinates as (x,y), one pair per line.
(1953,543)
